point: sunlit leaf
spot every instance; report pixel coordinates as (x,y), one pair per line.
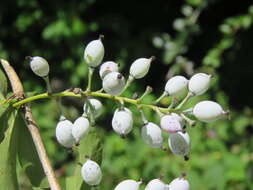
(90,146)
(8,149)
(28,157)
(3,85)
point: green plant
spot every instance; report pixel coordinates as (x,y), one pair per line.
(17,104)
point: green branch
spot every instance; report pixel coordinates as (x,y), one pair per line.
(94,94)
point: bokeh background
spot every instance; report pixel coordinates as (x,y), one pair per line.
(213,36)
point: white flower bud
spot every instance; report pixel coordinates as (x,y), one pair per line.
(113,83)
(179,143)
(63,133)
(140,67)
(208,111)
(81,128)
(156,184)
(91,173)
(128,184)
(199,83)
(179,118)
(39,66)
(152,135)
(170,124)
(125,109)
(179,184)
(176,86)
(94,53)
(97,107)
(122,122)
(108,67)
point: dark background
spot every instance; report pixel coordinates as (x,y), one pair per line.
(60,30)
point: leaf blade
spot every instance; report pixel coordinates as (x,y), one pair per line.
(28,157)
(8,149)
(3,85)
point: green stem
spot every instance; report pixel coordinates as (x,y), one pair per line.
(173,101)
(188,120)
(91,111)
(161,97)
(58,102)
(143,118)
(49,89)
(147,91)
(187,97)
(129,81)
(91,71)
(94,94)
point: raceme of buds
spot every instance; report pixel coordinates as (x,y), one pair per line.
(81,128)
(91,173)
(39,66)
(128,184)
(179,184)
(170,124)
(156,184)
(179,143)
(173,118)
(122,122)
(108,67)
(152,135)
(140,67)
(114,83)
(208,111)
(63,133)
(97,107)
(94,53)
(176,86)
(199,83)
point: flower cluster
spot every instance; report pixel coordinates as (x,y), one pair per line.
(173,120)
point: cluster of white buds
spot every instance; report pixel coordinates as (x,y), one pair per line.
(155,184)
(69,134)
(173,119)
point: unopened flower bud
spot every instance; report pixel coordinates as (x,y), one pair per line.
(199,83)
(94,53)
(208,111)
(140,67)
(39,66)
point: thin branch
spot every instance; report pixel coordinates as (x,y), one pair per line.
(95,94)
(31,125)
(16,85)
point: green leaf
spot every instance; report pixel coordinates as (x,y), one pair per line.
(3,85)
(28,157)
(3,108)
(90,146)
(8,149)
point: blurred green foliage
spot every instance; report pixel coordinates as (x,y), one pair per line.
(186,36)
